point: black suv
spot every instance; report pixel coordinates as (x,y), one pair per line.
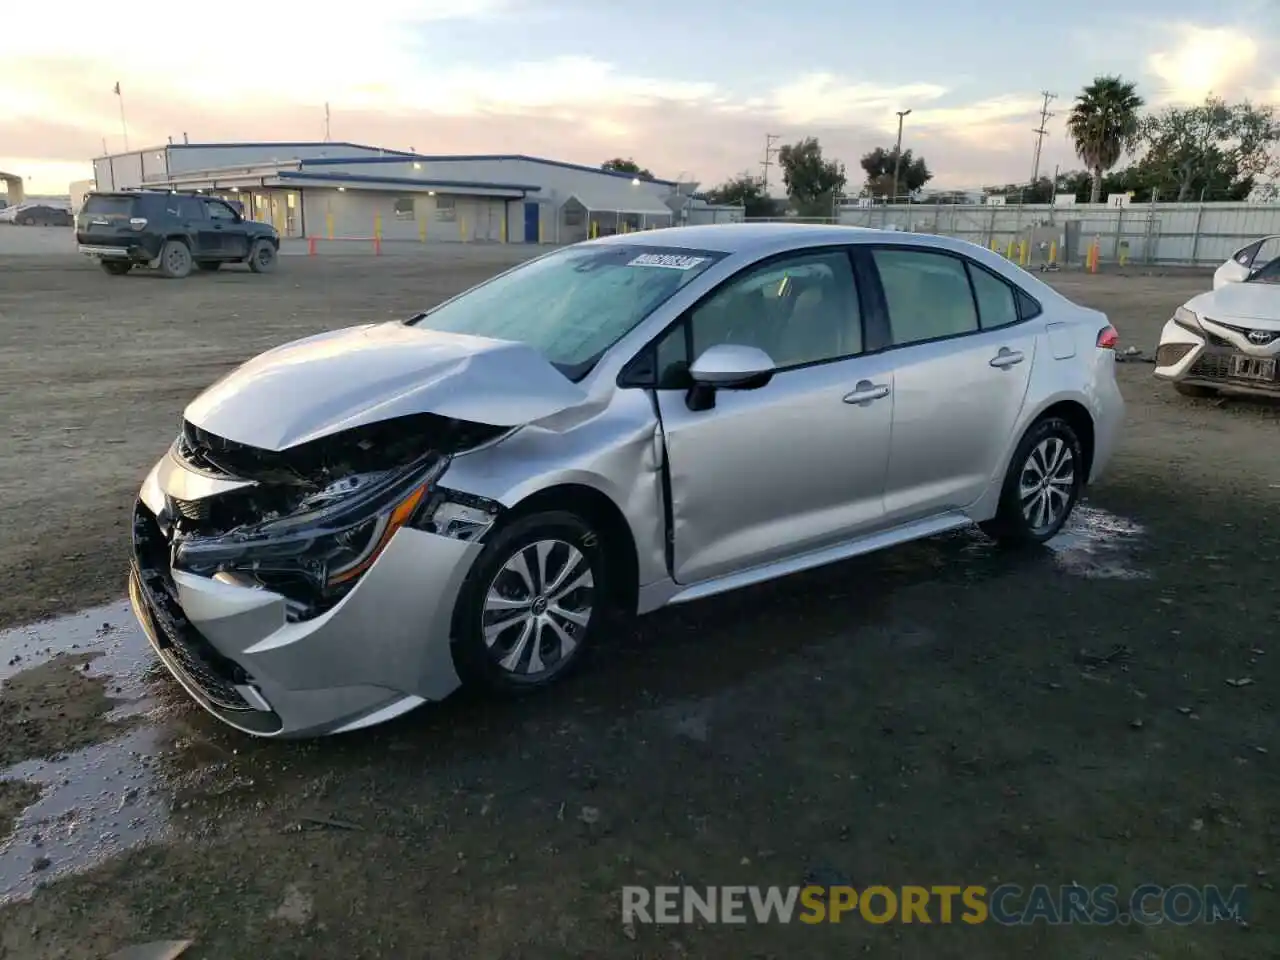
(172,232)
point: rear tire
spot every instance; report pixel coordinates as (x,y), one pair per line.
(208,266)
(175,259)
(262,257)
(1044,482)
(515,635)
(1195,390)
(117,268)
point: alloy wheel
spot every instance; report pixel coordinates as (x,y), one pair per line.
(537,608)
(1046,484)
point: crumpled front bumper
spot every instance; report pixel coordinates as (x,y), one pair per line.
(381,651)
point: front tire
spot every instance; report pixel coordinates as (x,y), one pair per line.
(262,257)
(117,268)
(175,259)
(532,604)
(1045,479)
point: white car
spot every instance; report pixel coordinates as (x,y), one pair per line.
(1227,339)
(1246,260)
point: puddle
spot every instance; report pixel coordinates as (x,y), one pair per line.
(1094,545)
(95,803)
(101,799)
(110,633)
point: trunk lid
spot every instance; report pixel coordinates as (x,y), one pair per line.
(332,382)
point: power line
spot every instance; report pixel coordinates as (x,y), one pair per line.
(1041,132)
(770,151)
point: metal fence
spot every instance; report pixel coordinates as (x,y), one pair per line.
(1191,234)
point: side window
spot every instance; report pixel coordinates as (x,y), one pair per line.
(927,294)
(190,208)
(997,305)
(1268,252)
(803,309)
(219,210)
(671,357)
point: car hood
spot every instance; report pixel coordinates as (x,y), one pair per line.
(332,382)
(1258,303)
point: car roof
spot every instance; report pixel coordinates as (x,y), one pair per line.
(755,239)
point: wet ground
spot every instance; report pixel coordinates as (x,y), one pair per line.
(1101,711)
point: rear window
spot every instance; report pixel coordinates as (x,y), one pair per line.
(120,206)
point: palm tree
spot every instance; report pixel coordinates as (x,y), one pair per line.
(1104,125)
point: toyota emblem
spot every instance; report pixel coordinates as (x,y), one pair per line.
(1261,337)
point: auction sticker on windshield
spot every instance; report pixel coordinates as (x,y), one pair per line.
(670,261)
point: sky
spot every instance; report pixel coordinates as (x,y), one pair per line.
(688,90)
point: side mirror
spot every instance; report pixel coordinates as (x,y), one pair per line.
(727,366)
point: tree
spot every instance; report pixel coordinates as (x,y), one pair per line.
(1214,149)
(812,181)
(913,172)
(744,190)
(1104,124)
(618,165)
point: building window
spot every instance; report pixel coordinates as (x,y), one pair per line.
(573,216)
(404,208)
(446,209)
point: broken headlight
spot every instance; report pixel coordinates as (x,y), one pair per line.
(334,537)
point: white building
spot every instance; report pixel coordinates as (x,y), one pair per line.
(349,191)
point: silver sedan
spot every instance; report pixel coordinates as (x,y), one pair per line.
(359,522)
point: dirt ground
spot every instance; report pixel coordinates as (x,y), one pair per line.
(1100,712)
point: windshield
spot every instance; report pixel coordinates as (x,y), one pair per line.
(1267,273)
(575,304)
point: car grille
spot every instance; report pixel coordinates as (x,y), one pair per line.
(184,649)
(1211,366)
(1263,337)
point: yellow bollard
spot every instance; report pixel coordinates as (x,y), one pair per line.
(539,230)
(377,226)
(504,230)
(1008,251)
(995,245)
(462,229)
(1022,253)
(1053,251)
(328,224)
(595,229)
(422,231)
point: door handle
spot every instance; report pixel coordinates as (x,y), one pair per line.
(1006,358)
(866,391)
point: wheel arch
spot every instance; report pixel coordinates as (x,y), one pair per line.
(600,511)
(1078,416)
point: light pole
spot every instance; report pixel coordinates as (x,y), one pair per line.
(897,154)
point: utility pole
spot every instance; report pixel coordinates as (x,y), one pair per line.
(1041,132)
(124,127)
(897,154)
(326,122)
(770,151)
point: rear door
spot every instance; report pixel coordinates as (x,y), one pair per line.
(229,228)
(104,221)
(963,357)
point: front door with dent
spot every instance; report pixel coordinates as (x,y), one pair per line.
(962,364)
(795,465)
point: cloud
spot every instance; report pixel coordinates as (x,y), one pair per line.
(407,90)
(1203,60)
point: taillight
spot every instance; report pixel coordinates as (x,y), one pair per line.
(137,223)
(1108,338)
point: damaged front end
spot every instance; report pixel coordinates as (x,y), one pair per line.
(308,521)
